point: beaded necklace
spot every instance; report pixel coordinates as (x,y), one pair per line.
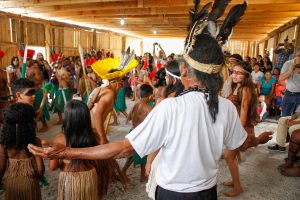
(194,89)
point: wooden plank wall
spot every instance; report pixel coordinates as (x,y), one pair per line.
(57,37)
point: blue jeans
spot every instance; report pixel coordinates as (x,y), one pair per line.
(290,103)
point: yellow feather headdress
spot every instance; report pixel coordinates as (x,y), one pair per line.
(123,65)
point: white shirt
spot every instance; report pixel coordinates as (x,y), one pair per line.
(263,109)
(190,143)
(256,76)
(292,82)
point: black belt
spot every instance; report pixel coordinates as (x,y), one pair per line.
(291,93)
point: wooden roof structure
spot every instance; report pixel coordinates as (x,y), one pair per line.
(169,18)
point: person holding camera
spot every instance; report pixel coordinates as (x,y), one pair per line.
(283,54)
(291,73)
(44,66)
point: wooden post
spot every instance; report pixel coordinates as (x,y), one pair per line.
(297,39)
(257,49)
(94,39)
(276,37)
(142,47)
(265,47)
(26,32)
(47,40)
(123,44)
(248,49)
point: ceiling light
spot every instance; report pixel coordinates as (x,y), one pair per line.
(154,32)
(122,22)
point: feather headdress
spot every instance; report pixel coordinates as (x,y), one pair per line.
(205,22)
(119,66)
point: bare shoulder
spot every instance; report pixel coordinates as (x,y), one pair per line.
(108,93)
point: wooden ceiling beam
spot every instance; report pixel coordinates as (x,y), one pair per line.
(133,5)
(166,3)
(164,11)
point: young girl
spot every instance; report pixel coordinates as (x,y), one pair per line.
(82,179)
(22,169)
(78,179)
(244,97)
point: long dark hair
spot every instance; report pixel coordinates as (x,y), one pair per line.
(78,129)
(178,87)
(207,50)
(247,83)
(12,61)
(19,128)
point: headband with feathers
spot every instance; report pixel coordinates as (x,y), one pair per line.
(112,68)
(205,22)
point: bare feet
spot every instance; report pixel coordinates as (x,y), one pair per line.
(228,183)
(234,192)
(291,172)
(284,166)
(43,129)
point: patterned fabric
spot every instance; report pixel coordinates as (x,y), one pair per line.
(282,57)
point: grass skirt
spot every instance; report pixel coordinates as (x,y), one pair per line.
(78,185)
(21,180)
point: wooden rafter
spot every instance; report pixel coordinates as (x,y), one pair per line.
(168,17)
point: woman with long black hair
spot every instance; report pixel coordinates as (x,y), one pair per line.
(80,179)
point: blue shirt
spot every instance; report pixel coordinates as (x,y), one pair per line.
(266,88)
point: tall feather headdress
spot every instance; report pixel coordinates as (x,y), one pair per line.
(205,22)
(119,66)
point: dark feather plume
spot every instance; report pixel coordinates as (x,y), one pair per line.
(231,20)
(218,9)
(197,18)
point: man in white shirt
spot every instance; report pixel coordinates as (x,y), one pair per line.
(291,73)
(256,74)
(189,130)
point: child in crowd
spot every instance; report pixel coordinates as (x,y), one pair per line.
(133,81)
(22,169)
(138,113)
(262,108)
(78,178)
(24,91)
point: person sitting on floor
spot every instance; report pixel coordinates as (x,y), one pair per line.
(291,124)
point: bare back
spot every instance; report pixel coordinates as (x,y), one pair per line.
(139,112)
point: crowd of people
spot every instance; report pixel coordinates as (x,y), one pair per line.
(253,88)
(187,109)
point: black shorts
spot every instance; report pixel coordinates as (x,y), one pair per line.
(163,194)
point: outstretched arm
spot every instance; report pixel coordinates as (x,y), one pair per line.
(101,152)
